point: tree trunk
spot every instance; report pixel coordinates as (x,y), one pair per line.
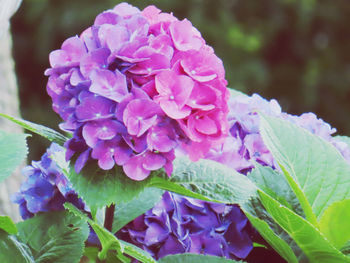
(9,102)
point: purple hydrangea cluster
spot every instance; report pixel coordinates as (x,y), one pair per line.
(244,145)
(136,85)
(45,188)
(184,225)
(180,224)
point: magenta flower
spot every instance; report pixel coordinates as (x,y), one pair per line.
(111,85)
(111,152)
(135,86)
(174,91)
(185,36)
(101,130)
(139,166)
(140,115)
(70,54)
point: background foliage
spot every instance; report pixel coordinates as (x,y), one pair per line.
(293,50)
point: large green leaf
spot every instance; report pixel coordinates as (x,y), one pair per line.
(14,251)
(275,241)
(314,168)
(335,223)
(316,247)
(13,150)
(99,188)
(209,179)
(8,225)
(46,132)
(54,236)
(273,183)
(110,242)
(137,253)
(187,258)
(128,211)
(346,249)
(205,179)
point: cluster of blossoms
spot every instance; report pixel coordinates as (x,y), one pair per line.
(45,188)
(136,85)
(180,224)
(244,145)
(134,88)
(175,225)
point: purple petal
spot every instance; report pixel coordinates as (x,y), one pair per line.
(81,160)
(161,139)
(153,161)
(96,59)
(93,108)
(140,115)
(104,130)
(108,84)
(134,168)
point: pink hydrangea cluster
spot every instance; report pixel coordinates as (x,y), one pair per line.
(136,85)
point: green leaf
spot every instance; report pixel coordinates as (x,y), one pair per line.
(316,247)
(8,225)
(317,172)
(14,251)
(137,252)
(205,179)
(346,248)
(335,223)
(13,150)
(110,242)
(128,211)
(276,242)
(91,256)
(255,244)
(208,180)
(273,183)
(41,130)
(99,188)
(54,236)
(187,258)
(107,239)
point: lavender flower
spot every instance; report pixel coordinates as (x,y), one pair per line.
(244,145)
(45,188)
(134,87)
(179,225)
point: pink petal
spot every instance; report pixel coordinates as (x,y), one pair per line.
(125,10)
(176,87)
(184,36)
(206,125)
(173,111)
(153,161)
(134,170)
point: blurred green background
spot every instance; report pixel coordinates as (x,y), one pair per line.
(294,51)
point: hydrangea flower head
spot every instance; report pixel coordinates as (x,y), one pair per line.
(45,188)
(244,145)
(136,85)
(184,225)
(180,224)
